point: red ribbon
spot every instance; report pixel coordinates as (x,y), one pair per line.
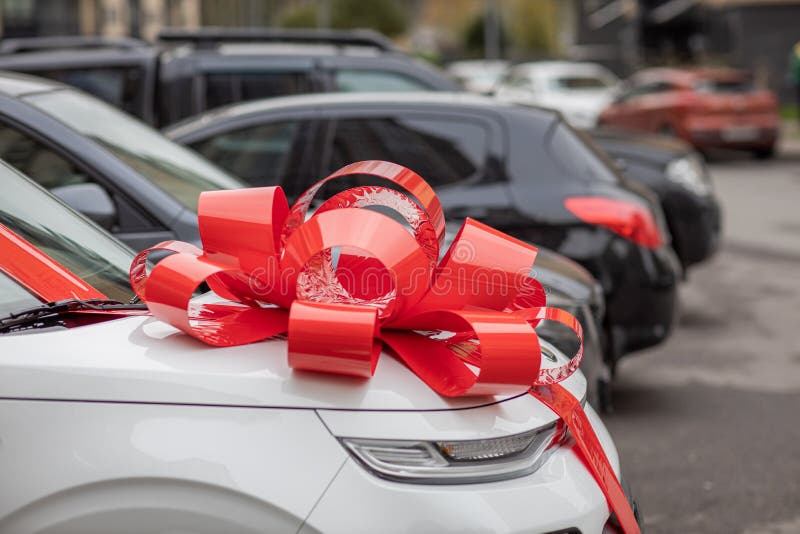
(348,279)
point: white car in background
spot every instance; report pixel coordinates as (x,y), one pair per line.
(121,424)
(580,91)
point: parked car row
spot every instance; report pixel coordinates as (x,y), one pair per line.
(620,219)
(477,139)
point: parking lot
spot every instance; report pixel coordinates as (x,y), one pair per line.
(706,424)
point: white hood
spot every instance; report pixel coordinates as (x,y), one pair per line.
(142,360)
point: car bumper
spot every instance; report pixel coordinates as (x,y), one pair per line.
(696,225)
(644,305)
(561,495)
(734,137)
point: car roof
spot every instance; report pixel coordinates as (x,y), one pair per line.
(16,84)
(437,99)
(230,41)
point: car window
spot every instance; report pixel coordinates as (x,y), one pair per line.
(14,297)
(724,86)
(647,89)
(577,156)
(119,86)
(226,88)
(362,80)
(175,169)
(35,160)
(444,151)
(66,237)
(578,82)
(260,155)
(52,171)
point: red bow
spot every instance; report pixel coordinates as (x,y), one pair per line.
(346,279)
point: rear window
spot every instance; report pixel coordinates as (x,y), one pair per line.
(227,88)
(576,155)
(119,86)
(724,86)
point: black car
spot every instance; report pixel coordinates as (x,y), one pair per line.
(122,173)
(189,72)
(524,171)
(679,176)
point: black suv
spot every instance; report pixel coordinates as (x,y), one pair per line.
(189,72)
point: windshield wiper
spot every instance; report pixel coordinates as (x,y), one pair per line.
(52,309)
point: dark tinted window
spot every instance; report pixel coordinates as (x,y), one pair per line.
(579,82)
(443,151)
(267,154)
(32,158)
(117,86)
(576,156)
(226,88)
(351,81)
(725,86)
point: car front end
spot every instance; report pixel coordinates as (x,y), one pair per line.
(111,420)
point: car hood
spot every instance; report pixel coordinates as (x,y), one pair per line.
(142,360)
(654,149)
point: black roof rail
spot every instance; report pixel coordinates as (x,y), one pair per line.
(35,44)
(210,36)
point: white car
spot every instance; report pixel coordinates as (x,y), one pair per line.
(478,75)
(121,424)
(580,91)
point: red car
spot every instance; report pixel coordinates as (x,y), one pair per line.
(708,108)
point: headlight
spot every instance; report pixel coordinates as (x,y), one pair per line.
(459,461)
(690,172)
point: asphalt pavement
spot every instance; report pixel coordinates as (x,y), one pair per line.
(708,424)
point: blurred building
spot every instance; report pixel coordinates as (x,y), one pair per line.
(627,34)
(137,18)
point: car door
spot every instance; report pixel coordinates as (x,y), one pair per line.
(461,154)
(67,178)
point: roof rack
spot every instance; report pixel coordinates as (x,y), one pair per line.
(210,36)
(36,44)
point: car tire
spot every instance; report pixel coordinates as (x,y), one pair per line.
(764,153)
(605,396)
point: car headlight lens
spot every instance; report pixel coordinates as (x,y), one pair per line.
(457,461)
(690,172)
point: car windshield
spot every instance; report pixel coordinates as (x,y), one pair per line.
(66,237)
(177,170)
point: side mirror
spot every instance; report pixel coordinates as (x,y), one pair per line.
(91,200)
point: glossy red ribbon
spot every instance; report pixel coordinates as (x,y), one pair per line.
(349,278)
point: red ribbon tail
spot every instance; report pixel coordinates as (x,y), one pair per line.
(568,408)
